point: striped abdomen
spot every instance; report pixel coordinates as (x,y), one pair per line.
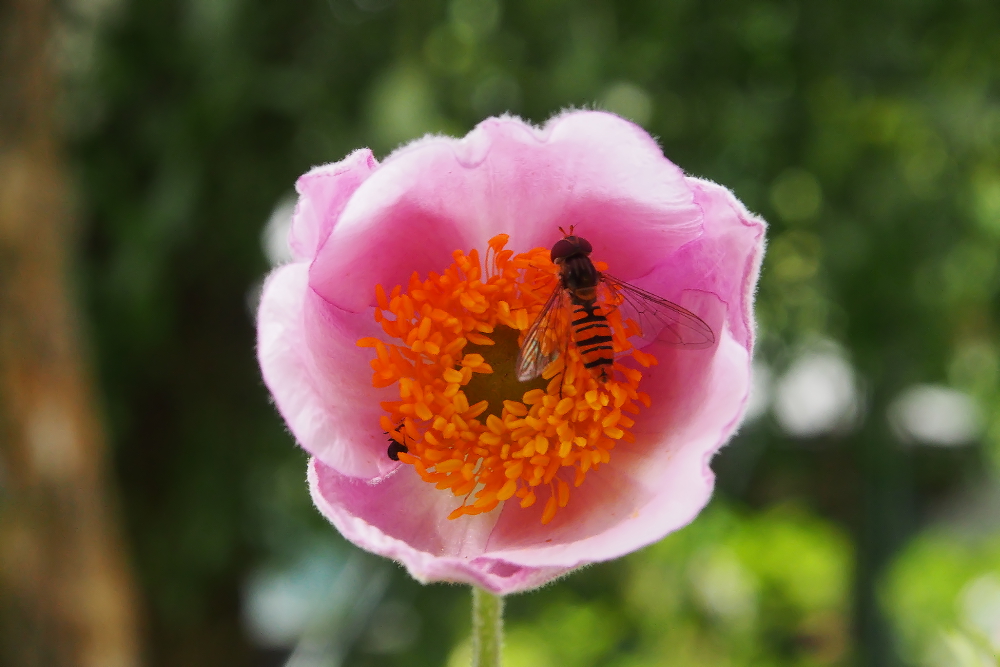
(592,336)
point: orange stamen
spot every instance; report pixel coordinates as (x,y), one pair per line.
(534,441)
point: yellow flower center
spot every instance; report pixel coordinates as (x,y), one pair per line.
(465,421)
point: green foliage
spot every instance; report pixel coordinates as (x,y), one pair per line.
(767,589)
(867,133)
(731,589)
(943,594)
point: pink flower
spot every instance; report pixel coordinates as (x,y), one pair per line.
(360,224)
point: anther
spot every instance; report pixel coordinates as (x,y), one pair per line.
(486,448)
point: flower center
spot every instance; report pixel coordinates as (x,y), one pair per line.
(502,384)
(463,420)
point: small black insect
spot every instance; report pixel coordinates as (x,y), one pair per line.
(396,448)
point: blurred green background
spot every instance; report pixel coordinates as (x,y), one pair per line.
(857,520)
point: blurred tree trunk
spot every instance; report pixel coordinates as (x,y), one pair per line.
(65,589)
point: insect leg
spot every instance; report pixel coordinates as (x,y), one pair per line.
(562,373)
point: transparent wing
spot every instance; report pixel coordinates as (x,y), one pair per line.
(545,338)
(658,319)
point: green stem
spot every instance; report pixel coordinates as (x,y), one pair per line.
(487,628)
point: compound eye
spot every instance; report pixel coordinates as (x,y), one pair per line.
(584,245)
(563,249)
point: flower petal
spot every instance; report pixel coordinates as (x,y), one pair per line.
(403,518)
(653,486)
(724,261)
(323,193)
(320,380)
(590,169)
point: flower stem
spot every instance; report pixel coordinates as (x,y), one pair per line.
(487,628)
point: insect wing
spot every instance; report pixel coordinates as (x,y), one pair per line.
(657,318)
(544,340)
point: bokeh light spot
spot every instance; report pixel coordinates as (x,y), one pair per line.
(796,195)
(629,101)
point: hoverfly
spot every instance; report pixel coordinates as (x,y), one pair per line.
(581,303)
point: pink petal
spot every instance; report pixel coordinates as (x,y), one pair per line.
(323,193)
(724,261)
(403,518)
(651,488)
(591,169)
(320,379)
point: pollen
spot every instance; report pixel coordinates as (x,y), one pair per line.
(467,425)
